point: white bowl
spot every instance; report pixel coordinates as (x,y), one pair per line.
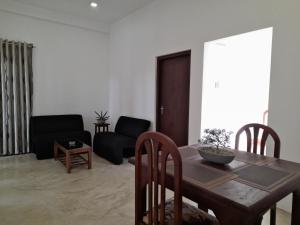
(215,155)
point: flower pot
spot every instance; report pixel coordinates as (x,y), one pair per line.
(216,155)
(100,121)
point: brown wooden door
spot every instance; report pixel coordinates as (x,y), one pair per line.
(173,90)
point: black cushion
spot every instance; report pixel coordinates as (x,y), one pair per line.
(57,123)
(111,146)
(131,127)
(113,139)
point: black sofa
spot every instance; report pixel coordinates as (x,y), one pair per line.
(45,129)
(113,146)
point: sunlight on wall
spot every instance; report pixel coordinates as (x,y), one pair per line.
(236,78)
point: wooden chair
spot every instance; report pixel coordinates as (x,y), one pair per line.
(161,149)
(253,141)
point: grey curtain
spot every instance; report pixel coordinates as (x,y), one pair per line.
(16,96)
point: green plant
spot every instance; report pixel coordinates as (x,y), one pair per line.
(101,117)
(216,137)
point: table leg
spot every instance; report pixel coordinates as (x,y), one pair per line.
(296,208)
(55,152)
(233,217)
(273,215)
(259,220)
(89,159)
(68,162)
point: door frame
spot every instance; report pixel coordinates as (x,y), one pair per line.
(157,102)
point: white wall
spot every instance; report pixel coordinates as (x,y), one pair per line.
(168,26)
(70,65)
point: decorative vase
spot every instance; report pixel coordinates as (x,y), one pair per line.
(101,121)
(216,155)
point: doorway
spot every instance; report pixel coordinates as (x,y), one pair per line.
(173,93)
(236,79)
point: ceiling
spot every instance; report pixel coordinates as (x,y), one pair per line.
(109,11)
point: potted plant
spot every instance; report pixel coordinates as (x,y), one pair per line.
(218,138)
(215,143)
(101,117)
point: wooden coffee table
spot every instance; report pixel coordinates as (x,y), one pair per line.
(70,152)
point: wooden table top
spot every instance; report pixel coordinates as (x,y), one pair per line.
(250,182)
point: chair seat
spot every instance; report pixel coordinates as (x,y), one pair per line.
(190,215)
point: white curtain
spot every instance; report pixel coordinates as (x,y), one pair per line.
(16,96)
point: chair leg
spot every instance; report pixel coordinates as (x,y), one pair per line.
(273,215)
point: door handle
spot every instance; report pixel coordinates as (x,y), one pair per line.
(162,110)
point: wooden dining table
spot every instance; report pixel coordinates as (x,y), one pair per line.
(238,193)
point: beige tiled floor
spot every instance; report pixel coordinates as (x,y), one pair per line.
(283,218)
(36,192)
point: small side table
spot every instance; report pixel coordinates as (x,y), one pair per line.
(98,127)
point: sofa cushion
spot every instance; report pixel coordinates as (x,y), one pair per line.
(106,139)
(55,123)
(190,215)
(131,127)
(112,146)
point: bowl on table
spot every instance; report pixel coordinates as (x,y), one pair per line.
(216,155)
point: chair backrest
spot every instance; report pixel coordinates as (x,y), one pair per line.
(131,127)
(253,140)
(159,149)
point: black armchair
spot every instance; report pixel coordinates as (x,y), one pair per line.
(45,129)
(113,146)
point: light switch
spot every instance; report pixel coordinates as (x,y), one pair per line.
(217,84)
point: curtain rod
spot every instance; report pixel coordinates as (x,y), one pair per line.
(17,42)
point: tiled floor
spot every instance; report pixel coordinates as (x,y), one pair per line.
(36,192)
(283,218)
